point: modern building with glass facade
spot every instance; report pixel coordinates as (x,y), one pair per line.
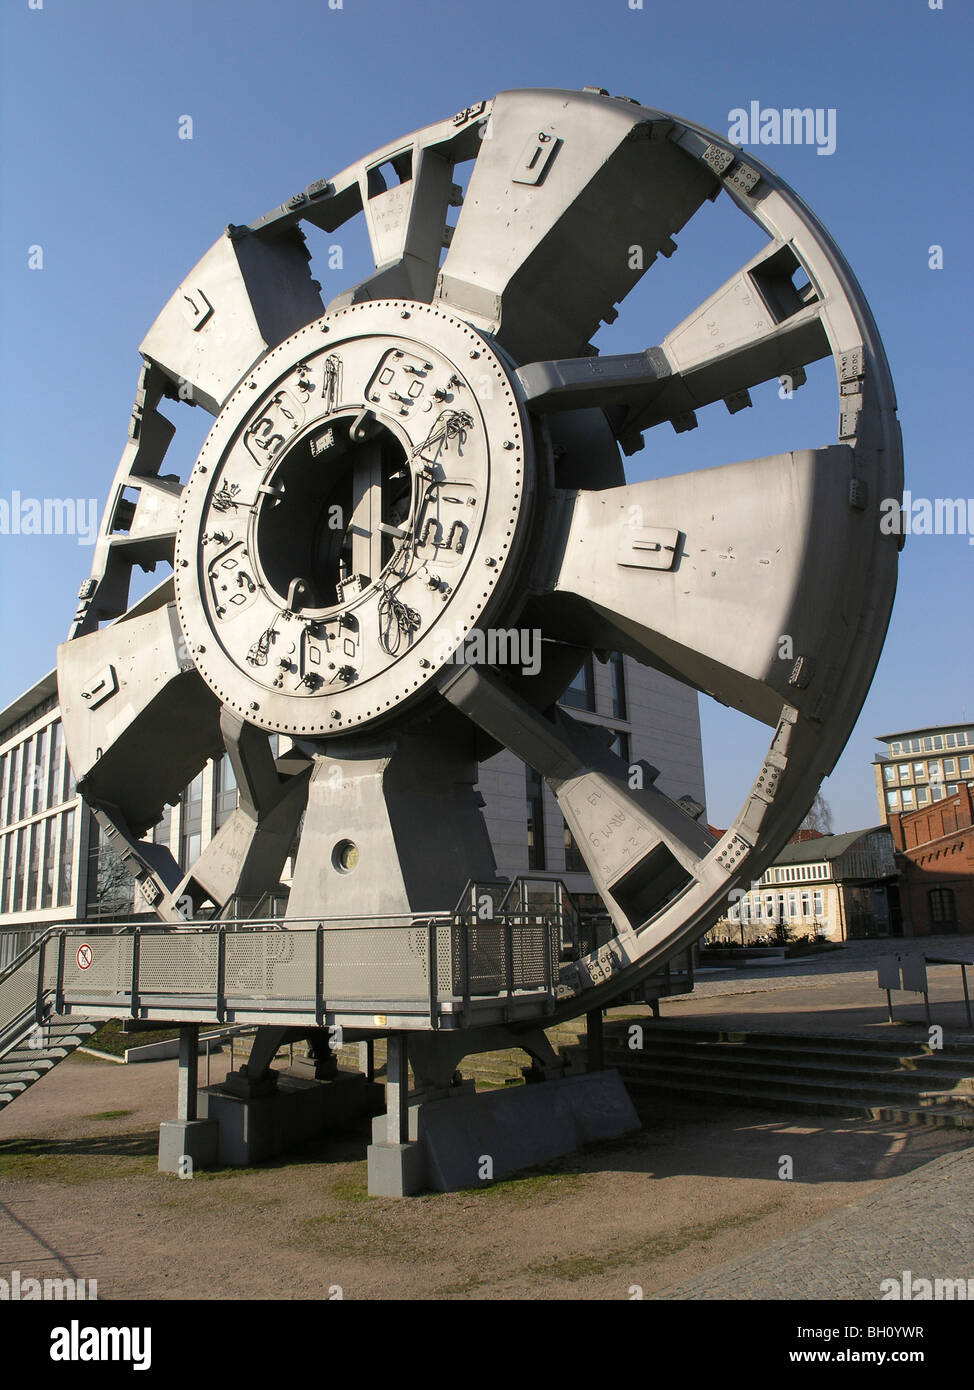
(55,865)
(923,766)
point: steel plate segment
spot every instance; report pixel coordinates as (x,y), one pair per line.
(351,516)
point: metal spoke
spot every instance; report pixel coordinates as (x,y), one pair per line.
(687,574)
(756,327)
(639,845)
(554,176)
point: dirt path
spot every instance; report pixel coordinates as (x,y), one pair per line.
(80,1195)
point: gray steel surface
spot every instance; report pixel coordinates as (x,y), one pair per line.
(437,454)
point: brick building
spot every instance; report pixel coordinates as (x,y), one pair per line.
(935,854)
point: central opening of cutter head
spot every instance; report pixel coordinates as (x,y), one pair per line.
(333,512)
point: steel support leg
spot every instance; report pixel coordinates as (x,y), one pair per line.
(397,1090)
(189,1051)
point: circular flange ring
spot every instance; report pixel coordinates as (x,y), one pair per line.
(308,607)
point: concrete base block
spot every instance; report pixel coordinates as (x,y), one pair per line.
(261,1127)
(521,1127)
(396,1170)
(179,1140)
(516,1128)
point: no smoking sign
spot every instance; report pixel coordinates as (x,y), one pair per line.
(85,956)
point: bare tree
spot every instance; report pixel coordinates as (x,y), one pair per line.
(819,816)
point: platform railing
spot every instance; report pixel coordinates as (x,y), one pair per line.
(425,965)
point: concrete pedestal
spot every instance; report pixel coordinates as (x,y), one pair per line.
(179,1140)
(450,1139)
(259,1127)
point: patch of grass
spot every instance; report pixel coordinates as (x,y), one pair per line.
(111,1039)
(351,1188)
(41,1161)
(108,1114)
(575,1267)
(531,1185)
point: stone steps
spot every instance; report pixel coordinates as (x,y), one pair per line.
(890,1079)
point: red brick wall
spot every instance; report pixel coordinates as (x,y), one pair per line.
(936,851)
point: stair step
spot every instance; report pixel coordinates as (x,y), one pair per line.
(704,1057)
(22,1066)
(802,1042)
(959,1065)
(813,1103)
(769,1082)
(27,1074)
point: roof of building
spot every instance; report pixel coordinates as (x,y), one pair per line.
(824,847)
(930,729)
(23,704)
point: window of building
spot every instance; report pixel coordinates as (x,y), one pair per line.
(66,867)
(7,872)
(620,745)
(928,744)
(893,800)
(923,796)
(919,770)
(950,765)
(40,771)
(617,669)
(906,773)
(943,908)
(938,741)
(70,786)
(55,771)
(19,872)
(162,833)
(907,796)
(192,823)
(581,693)
(792,905)
(8,805)
(806,904)
(27,778)
(33,865)
(819,902)
(48,865)
(574,863)
(964,764)
(936,772)
(952,788)
(890,772)
(894,750)
(111,888)
(227,796)
(534,795)
(951,740)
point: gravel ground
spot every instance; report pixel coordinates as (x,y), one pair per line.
(691,1206)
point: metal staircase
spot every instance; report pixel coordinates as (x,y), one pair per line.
(33,1038)
(38,1051)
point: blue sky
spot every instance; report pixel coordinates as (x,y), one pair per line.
(92,170)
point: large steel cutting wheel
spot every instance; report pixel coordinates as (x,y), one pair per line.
(438,453)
